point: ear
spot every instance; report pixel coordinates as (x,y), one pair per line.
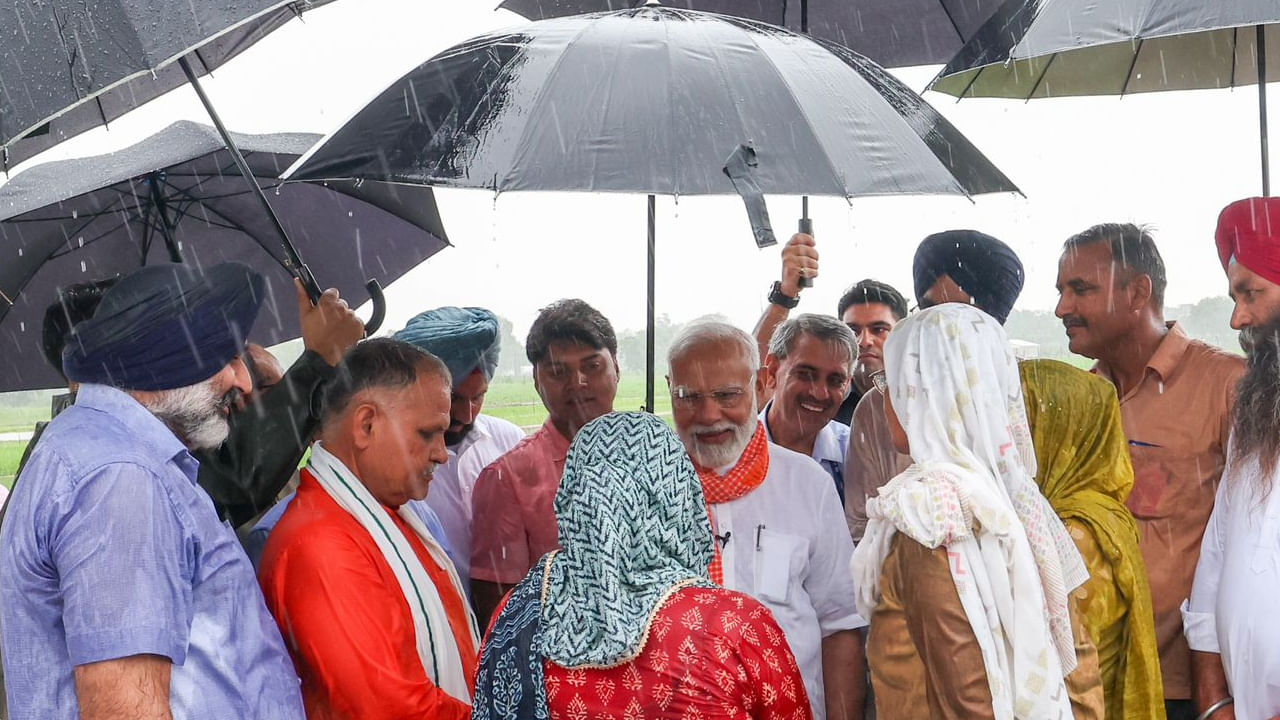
(768,376)
(763,390)
(363,418)
(668,377)
(1139,292)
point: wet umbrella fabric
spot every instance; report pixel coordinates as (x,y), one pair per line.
(67,67)
(653,100)
(77,220)
(1058,48)
(893,33)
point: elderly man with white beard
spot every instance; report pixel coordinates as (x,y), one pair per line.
(121,592)
(780,530)
(1230,620)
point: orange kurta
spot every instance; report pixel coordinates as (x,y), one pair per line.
(347,625)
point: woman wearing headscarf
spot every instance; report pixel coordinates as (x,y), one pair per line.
(1085,473)
(964,568)
(623,620)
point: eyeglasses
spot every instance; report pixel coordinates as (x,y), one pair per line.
(880,381)
(727,398)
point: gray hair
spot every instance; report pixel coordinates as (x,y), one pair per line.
(713,331)
(819,327)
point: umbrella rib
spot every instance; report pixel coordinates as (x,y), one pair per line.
(1040,79)
(946,10)
(231,224)
(537,98)
(835,173)
(1132,64)
(1235,48)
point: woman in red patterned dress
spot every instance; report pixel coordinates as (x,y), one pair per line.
(623,621)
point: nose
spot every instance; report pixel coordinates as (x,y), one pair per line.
(1240,318)
(864,339)
(819,390)
(1063,308)
(438,453)
(241,380)
(708,412)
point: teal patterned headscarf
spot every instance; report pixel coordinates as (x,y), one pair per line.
(633,529)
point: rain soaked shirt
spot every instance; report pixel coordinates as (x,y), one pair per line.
(515,523)
(1239,567)
(828,448)
(1177,421)
(109,550)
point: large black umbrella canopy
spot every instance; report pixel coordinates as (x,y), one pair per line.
(67,66)
(1059,48)
(893,33)
(653,100)
(177,195)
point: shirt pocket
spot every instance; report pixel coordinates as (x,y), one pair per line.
(1266,543)
(780,561)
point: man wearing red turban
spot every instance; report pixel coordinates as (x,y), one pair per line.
(1233,637)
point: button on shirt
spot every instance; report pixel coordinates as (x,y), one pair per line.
(110,549)
(515,523)
(788,547)
(1177,420)
(829,448)
(452,488)
(1232,610)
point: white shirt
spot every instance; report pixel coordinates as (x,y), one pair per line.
(829,449)
(788,547)
(1232,610)
(451,488)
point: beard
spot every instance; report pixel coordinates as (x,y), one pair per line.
(453,437)
(1256,419)
(713,456)
(197,414)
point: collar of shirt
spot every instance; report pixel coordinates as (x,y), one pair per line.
(151,433)
(1165,360)
(828,446)
(558,444)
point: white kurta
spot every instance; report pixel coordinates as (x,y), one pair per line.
(788,547)
(455,481)
(1233,610)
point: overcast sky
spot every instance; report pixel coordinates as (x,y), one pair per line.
(1171,160)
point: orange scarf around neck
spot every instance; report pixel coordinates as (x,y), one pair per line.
(747,475)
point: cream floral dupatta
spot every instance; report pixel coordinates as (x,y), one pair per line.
(955,386)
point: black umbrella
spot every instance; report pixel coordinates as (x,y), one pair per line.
(653,100)
(88,62)
(177,196)
(893,33)
(1036,49)
(67,67)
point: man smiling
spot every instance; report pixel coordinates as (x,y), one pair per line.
(808,370)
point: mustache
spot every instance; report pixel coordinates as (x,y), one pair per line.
(1074,321)
(712,429)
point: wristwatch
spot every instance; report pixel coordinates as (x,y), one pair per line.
(777,297)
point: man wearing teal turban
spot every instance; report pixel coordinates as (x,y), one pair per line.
(467,340)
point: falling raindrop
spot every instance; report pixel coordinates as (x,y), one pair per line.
(22,326)
(350,214)
(75,214)
(80,242)
(82,267)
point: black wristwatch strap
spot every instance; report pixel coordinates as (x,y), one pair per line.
(777,297)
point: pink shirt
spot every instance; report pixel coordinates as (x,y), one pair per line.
(514,523)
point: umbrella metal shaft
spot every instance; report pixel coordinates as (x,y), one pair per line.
(293,261)
(649,330)
(1261,49)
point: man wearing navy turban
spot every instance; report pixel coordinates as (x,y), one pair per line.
(969,267)
(468,341)
(119,585)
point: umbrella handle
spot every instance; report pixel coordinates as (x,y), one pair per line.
(379,307)
(806,227)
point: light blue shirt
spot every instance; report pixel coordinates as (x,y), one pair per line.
(829,448)
(111,549)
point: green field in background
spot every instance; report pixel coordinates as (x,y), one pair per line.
(517,401)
